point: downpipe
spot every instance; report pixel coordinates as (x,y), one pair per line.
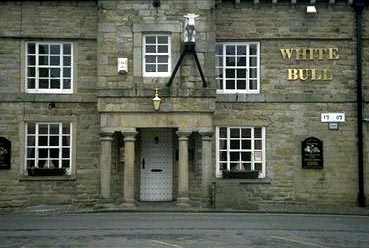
(358,6)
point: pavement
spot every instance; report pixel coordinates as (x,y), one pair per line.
(182,230)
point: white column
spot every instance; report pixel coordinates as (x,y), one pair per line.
(105,164)
(183,169)
(129,165)
(206,166)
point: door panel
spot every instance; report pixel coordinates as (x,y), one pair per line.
(156,165)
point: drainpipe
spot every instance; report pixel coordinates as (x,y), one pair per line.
(359,6)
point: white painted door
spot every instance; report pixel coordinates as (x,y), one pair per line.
(156,165)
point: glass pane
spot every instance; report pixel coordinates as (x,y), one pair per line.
(253,85)
(241,84)
(150,68)
(223,132)
(56,163)
(230,73)
(44,72)
(66,84)
(65,163)
(54,60)
(162,59)
(222,156)
(31,60)
(43,153)
(257,132)
(219,49)
(67,61)
(54,141)
(223,144)
(43,83)
(222,166)
(65,153)
(253,50)
(150,59)
(234,156)
(43,129)
(235,144)
(150,49)
(31,71)
(241,50)
(66,128)
(258,144)
(54,84)
(54,128)
(43,49)
(31,140)
(234,167)
(219,73)
(55,72)
(247,166)
(258,166)
(66,141)
(230,61)
(253,61)
(66,72)
(246,144)
(67,49)
(162,49)
(150,39)
(31,48)
(230,50)
(246,156)
(54,153)
(163,39)
(43,60)
(31,128)
(220,84)
(42,141)
(30,152)
(54,49)
(246,133)
(162,68)
(230,84)
(235,132)
(241,61)
(31,83)
(253,73)
(219,61)
(30,163)
(241,73)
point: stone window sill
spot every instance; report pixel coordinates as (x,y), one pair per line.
(48,178)
(246,181)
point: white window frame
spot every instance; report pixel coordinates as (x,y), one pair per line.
(61,66)
(257,155)
(36,146)
(156,54)
(221,68)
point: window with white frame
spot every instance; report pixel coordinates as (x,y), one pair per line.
(156,55)
(240,149)
(238,67)
(49,67)
(48,145)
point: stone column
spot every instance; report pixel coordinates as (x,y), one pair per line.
(105,164)
(206,165)
(183,169)
(129,166)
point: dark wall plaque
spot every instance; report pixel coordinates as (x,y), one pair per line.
(4,153)
(312,153)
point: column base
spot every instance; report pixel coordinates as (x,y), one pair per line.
(183,202)
(128,205)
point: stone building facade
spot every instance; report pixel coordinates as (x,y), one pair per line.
(245,111)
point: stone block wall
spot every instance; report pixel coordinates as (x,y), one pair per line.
(76,22)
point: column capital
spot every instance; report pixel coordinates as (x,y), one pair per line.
(206,133)
(184,133)
(106,135)
(129,134)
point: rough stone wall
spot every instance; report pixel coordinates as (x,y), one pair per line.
(73,21)
(290,110)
